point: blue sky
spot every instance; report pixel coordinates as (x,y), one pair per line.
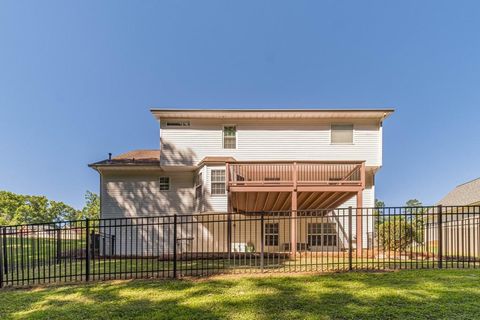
(77,79)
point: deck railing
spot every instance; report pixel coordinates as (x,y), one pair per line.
(302,173)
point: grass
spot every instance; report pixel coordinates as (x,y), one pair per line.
(412,294)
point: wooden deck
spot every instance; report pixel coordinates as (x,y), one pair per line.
(299,176)
(293,186)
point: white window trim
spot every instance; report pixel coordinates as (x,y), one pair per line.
(211,183)
(169,183)
(343,143)
(223,136)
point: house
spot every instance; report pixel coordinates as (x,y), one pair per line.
(460,221)
(251,162)
(465,194)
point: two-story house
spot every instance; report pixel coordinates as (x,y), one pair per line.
(249,162)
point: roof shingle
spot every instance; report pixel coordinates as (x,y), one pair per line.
(464,194)
(135,157)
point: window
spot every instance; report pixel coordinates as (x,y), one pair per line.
(198,186)
(164,183)
(342,133)
(315,234)
(322,234)
(175,123)
(329,234)
(271,234)
(229,137)
(217,178)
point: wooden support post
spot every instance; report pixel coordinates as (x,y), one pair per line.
(359,223)
(293,226)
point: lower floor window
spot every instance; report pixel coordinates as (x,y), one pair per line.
(322,234)
(271,234)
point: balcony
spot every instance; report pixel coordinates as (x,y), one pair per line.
(300,176)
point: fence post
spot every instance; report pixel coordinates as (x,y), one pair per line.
(229,236)
(5,251)
(59,245)
(262,240)
(174,246)
(440,236)
(1,261)
(112,244)
(87,250)
(350,242)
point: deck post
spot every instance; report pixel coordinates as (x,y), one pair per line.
(359,224)
(293,226)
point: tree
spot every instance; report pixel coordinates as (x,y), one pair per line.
(413,203)
(399,231)
(21,209)
(395,233)
(91,210)
(379,203)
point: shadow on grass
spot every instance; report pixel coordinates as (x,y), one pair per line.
(396,295)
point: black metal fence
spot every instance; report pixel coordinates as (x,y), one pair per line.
(172,246)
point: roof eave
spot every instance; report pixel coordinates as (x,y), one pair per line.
(161,113)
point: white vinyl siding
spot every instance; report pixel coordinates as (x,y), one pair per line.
(213,203)
(136,194)
(258,140)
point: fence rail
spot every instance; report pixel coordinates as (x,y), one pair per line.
(172,246)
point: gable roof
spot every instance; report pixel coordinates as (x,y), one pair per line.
(465,194)
(140,157)
(378,114)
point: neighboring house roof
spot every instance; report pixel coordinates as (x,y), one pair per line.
(378,114)
(131,158)
(465,194)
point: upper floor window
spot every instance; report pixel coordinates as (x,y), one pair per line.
(229,137)
(217,178)
(342,134)
(178,123)
(164,183)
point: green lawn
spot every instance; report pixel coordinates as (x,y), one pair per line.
(431,294)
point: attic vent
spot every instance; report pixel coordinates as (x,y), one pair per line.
(175,123)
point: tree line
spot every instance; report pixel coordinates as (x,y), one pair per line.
(23,209)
